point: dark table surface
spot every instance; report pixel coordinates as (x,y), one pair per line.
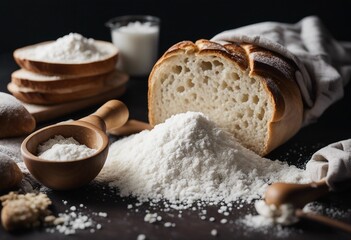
(124,223)
(29,22)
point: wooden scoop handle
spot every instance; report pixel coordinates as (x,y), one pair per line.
(132,126)
(296,194)
(113,114)
(323,220)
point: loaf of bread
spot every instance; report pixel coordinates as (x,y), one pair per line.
(25,59)
(245,89)
(15,120)
(10,174)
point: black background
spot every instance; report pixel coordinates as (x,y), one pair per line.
(29,22)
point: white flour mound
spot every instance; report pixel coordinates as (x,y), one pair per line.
(73,48)
(60,148)
(188,158)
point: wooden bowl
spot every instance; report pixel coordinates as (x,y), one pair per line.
(64,175)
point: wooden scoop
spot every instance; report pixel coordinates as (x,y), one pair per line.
(296,194)
(63,175)
(131,127)
(299,195)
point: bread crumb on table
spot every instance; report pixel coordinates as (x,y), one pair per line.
(25,210)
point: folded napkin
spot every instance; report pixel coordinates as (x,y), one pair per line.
(324,64)
(333,163)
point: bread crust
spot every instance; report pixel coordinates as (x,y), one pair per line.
(276,73)
(281,85)
(15,122)
(10,174)
(78,69)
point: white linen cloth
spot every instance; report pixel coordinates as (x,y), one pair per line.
(324,64)
(333,163)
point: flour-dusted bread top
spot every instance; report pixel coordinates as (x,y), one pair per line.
(245,89)
(15,120)
(70,55)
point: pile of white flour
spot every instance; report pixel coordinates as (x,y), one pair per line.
(188,158)
(60,148)
(72,48)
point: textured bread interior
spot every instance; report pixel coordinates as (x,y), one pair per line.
(218,88)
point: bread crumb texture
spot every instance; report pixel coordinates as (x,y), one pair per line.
(24,210)
(213,85)
(219,84)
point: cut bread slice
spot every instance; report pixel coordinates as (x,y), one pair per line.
(43,113)
(25,58)
(245,89)
(55,96)
(45,83)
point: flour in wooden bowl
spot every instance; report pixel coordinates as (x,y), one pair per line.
(60,148)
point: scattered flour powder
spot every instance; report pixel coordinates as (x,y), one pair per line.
(188,158)
(73,220)
(284,214)
(61,148)
(73,48)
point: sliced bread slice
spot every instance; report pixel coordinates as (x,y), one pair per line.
(245,89)
(48,112)
(45,83)
(26,58)
(115,81)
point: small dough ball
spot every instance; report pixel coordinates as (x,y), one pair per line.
(15,120)
(10,174)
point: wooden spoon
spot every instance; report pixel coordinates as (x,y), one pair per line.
(132,126)
(296,194)
(63,175)
(299,195)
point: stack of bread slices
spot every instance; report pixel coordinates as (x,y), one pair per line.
(49,82)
